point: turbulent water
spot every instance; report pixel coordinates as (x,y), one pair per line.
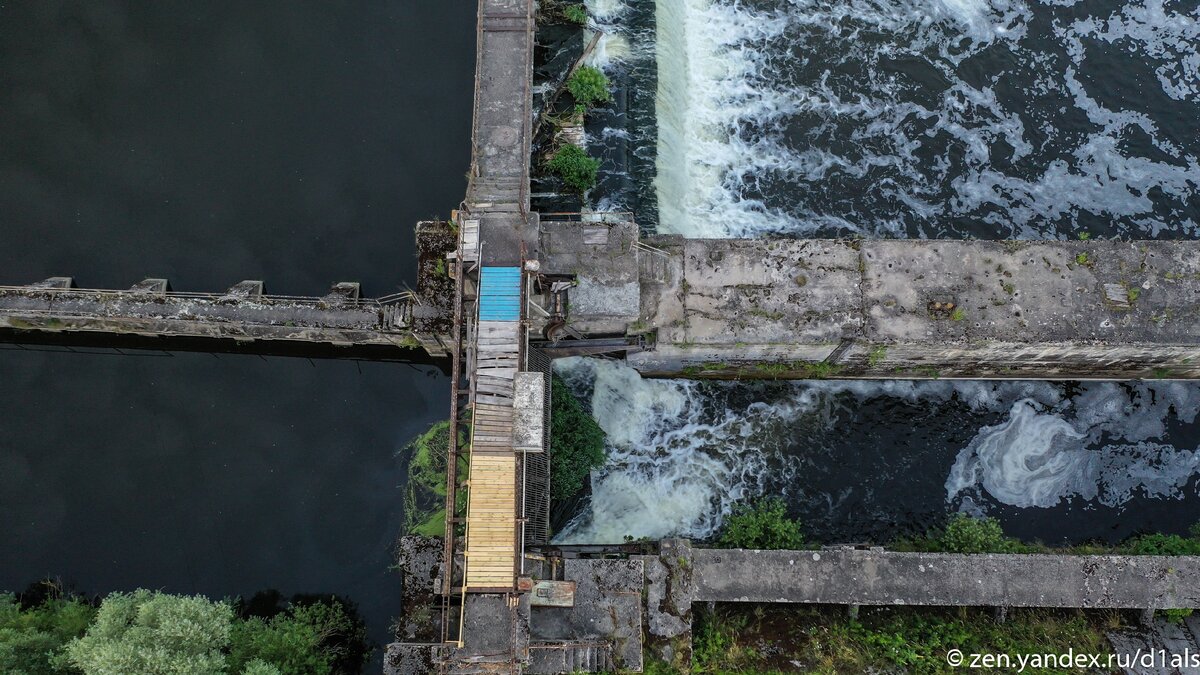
(919,118)
(897,118)
(870,460)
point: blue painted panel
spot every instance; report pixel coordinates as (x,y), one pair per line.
(500,294)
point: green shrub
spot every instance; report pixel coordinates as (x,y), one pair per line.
(965,534)
(575,14)
(307,638)
(763,525)
(1161,544)
(32,640)
(576,169)
(154,633)
(589,86)
(576,442)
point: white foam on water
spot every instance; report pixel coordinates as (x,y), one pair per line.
(728,98)
(676,464)
(1098,445)
(681,455)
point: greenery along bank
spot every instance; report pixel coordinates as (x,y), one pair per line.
(153,633)
(577,446)
(764,524)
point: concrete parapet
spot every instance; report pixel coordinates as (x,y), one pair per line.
(854,577)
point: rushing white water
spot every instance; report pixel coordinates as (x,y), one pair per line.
(683,453)
(893,116)
(677,464)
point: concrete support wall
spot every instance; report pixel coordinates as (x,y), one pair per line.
(853,577)
(148,315)
(922,309)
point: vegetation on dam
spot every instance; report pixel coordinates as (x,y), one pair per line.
(577,445)
(761,639)
(47,632)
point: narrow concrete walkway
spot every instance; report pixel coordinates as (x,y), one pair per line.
(853,577)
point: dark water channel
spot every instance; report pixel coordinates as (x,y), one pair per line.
(208,143)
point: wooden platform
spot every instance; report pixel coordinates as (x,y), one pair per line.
(491,522)
(491,538)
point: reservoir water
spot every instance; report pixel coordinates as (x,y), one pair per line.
(208,143)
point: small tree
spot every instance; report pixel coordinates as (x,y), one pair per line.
(154,633)
(576,442)
(589,86)
(308,639)
(762,525)
(576,169)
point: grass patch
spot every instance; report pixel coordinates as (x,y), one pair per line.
(958,314)
(741,638)
(576,14)
(876,355)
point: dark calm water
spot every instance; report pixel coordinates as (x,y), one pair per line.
(208,143)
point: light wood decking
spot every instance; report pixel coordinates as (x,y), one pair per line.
(491,538)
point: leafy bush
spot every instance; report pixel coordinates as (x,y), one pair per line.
(576,169)
(32,639)
(965,534)
(763,525)
(575,14)
(576,442)
(307,638)
(589,86)
(1161,544)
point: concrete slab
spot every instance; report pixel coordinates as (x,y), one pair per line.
(853,577)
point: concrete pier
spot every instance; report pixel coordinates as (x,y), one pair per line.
(888,309)
(55,312)
(878,577)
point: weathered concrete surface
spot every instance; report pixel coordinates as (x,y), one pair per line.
(669,592)
(606,619)
(853,577)
(177,318)
(499,180)
(599,252)
(1139,647)
(913,309)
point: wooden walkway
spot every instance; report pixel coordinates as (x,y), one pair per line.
(491,533)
